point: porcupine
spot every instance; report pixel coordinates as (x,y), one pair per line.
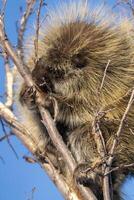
(75,47)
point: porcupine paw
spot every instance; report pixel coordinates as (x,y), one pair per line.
(28,97)
(83,174)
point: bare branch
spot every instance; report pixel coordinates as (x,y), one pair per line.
(18,128)
(129,3)
(99,140)
(7,47)
(62,148)
(37,29)
(6,136)
(68,192)
(31,144)
(26,137)
(121,167)
(1,158)
(29,159)
(9,82)
(8,140)
(115,142)
(2,12)
(104,75)
(56,138)
(32,194)
(101,148)
(28,80)
(23,22)
(111,152)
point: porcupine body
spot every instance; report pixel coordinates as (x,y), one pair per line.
(74,50)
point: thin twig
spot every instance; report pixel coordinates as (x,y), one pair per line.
(6,136)
(7,47)
(8,140)
(29,159)
(130,5)
(121,167)
(20,130)
(33,191)
(104,75)
(37,29)
(2,12)
(115,142)
(2,160)
(23,23)
(9,82)
(132,132)
(101,149)
(99,140)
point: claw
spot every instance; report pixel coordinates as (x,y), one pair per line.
(80,174)
(85,174)
(27,96)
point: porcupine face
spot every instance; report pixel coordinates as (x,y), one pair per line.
(67,55)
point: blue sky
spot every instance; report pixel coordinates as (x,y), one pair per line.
(17,178)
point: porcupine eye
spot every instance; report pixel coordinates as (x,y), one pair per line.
(79,61)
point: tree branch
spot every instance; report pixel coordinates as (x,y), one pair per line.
(26,137)
(115,142)
(7,47)
(9,81)
(19,130)
(37,29)
(23,22)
